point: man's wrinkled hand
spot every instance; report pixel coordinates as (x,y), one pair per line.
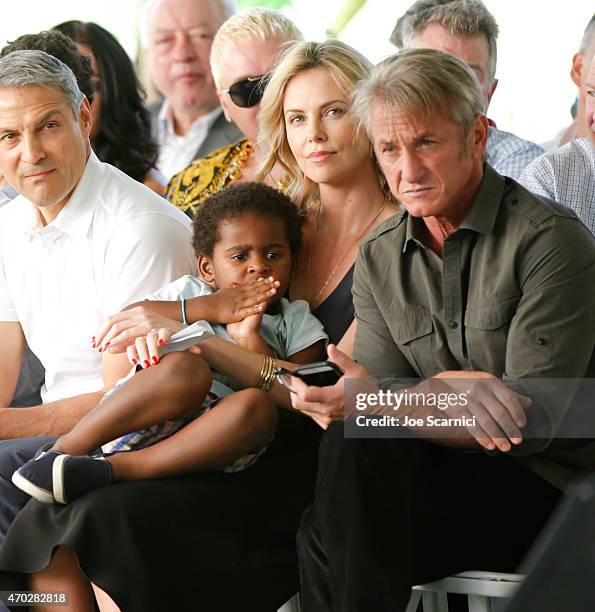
(498,412)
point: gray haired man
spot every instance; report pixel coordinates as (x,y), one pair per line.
(467,30)
(464,291)
(80,243)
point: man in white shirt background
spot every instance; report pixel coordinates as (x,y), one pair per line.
(188,123)
(81,242)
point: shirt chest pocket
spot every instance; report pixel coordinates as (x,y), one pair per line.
(486,334)
(412,331)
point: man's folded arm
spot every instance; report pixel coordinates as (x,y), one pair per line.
(59,417)
(12,342)
(552,334)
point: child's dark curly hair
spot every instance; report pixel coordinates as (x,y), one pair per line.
(236,201)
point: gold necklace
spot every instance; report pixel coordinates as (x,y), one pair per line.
(315,302)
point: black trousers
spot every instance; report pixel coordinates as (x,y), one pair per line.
(392,513)
(13,453)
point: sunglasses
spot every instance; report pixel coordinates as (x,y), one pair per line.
(248,92)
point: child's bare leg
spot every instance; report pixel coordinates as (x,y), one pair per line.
(175,387)
(63,574)
(240,423)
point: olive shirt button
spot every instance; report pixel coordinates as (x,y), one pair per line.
(453,324)
(542,341)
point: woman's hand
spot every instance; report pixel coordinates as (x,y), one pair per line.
(327,404)
(145,350)
(121,330)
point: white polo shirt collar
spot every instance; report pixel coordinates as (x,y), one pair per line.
(77,215)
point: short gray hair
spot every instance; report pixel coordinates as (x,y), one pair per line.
(588,35)
(458,17)
(27,68)
(225,9)
(421,82)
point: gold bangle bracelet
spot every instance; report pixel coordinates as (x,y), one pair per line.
(268,373)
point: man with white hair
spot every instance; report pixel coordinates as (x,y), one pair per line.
(81,242)
(188,123)
(467,30)
(567,175)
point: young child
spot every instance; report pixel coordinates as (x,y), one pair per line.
(242,235)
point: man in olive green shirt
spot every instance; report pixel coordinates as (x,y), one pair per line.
(477,285)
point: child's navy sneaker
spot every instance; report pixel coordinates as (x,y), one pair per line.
(54,477)
(35,481)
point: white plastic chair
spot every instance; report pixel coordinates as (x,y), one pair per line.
(292,605)
(481,589)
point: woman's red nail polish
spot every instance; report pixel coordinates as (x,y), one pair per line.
(155,359)
(106,345)
(134,361)
(147,363)
(161,342)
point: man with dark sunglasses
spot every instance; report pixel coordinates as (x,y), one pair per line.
(247,92)
(244,51)
(187,123)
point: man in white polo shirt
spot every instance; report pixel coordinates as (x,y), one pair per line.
(81,242)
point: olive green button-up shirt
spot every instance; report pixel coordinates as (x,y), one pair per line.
(513,294)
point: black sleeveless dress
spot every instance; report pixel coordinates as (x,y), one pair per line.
(207,542)
(336,313)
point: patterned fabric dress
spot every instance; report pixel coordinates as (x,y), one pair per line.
(206,176)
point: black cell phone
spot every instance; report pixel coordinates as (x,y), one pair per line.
(319,374)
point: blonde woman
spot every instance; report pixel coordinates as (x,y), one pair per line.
(244,51)
(307,130)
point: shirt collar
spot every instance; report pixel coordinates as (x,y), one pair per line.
(76,216)
(412,230)
(587,146)
(166,126)
(481,217)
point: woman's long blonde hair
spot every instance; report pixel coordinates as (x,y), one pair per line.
(347,67)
